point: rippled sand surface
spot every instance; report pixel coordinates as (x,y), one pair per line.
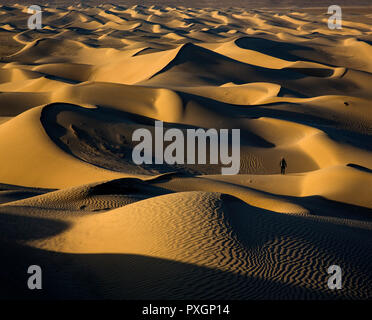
(74,202)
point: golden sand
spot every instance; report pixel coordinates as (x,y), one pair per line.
(73,201)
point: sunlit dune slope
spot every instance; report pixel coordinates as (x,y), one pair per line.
(73,93)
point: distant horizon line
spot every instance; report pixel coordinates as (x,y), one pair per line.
(257,4)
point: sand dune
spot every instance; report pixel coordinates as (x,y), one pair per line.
(73,93)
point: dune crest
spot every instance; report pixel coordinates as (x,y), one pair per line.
(72,198)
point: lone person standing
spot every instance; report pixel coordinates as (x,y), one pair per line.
(283,165)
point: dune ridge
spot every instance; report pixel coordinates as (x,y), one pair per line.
(73,93)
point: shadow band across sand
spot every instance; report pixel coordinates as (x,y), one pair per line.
(101,227)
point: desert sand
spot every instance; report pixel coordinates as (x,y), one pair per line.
(102,227)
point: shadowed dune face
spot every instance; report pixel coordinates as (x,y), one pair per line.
(73,200)
(84,276)
(259,252)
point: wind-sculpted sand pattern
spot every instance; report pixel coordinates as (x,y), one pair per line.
(73,200)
